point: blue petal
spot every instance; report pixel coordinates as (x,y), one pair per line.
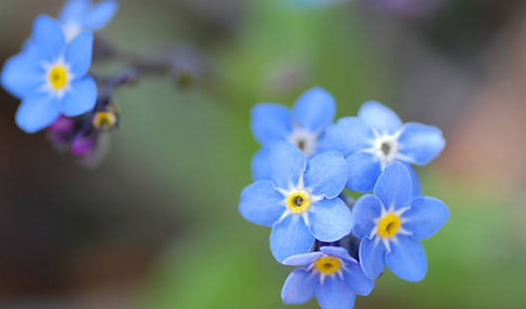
(379,117)
(74,10)
(79,52)
(287,164)
(21,75)
(372,257)
(348,135)
(261,204)
(334,294)
(299,287)
(394,186)
(270,122)
(330,220)
(302,259)
(326,174)
(81,98)
(416,189)
(315,109)
(364,170)
(100,14)
(357,281)
(48,37)
(339,252)
(426,216)
(407,259)
(420,143)
(290,237)
(261,164)
(365,211)
(36,112)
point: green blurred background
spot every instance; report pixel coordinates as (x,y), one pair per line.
(156,224)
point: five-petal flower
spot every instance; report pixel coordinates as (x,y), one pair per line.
(79,15)
(300,200)
(391,222)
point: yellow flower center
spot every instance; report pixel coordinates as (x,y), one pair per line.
(58,77)
(298,201)
(105,120)
(389,225)
(328,265)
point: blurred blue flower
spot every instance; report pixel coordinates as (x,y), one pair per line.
(300,200)
(376,138)
(391,223)
(79,15)
(51,79)
(303,126)
(332,275)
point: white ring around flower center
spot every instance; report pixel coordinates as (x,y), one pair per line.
(57,78)
(304,139)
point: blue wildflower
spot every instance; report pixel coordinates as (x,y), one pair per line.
(391,223)
(303,126)
(79,15)
(300,200)
(332,275)
(52,79)
(376,138)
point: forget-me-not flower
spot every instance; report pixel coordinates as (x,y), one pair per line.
(331,274)
(52,79)
(299,201)
(391,222)
(79,15)
(302,126)
(376,138)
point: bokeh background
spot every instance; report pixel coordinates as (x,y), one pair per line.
(156,226)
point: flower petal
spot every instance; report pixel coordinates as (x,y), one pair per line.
(364,170)
(334,294)
(81,98)
(79,52)
(36,112)
(299,287)
(326,174)
(315,109)
(302,259)
(290,237)
(394,186)
(48,36)
(357,281)
(348,135)
(372,257)
(74,10)
(407,259)
(339,252)
(379,117)
(426,216)
(270,122)
(287,164)
(261,164)
(330,220)
(416,189)
(100,14)
(421,143)
(22,74)
(366,209)
(261,204)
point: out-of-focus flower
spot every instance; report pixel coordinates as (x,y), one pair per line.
(331,274)
(391,224)
(302,126)
(79,15)
(300,200)
(376,138)
(52,79)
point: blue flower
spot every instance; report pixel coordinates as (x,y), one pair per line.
(332,275)
(376,138)
(303,126)
(52,79)
(391,222)
(79,15)
(300,200)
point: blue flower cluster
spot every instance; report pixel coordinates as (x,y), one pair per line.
(305,164)
(50,74)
